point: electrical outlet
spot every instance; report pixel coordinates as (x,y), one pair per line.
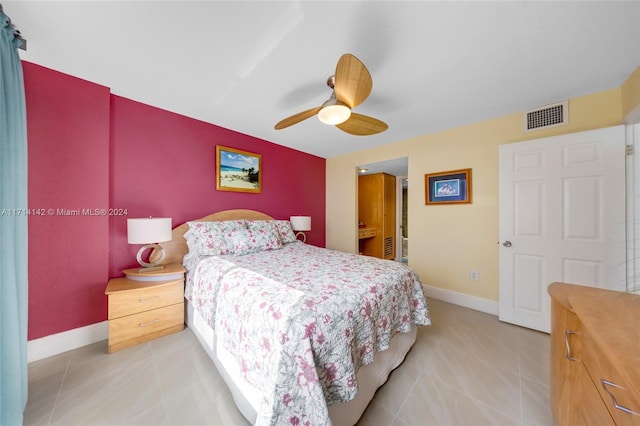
(474,275)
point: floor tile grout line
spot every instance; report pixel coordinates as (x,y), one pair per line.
(477,400)
(404,401)
(162,391)
(485,361)
(485,403)
(395,416)
(55,403)
(474,354)
(520,383)
(536,381)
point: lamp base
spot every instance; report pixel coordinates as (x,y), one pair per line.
(150,267)
(304,236)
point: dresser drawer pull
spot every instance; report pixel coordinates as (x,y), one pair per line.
(566,342)
(606,383)
(145,324)
(149,299)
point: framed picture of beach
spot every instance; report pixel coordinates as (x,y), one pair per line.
(237,170)
(452,187)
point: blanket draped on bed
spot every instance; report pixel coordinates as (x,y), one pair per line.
(301,320)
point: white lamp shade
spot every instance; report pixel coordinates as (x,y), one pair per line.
(300,223)
(148,230)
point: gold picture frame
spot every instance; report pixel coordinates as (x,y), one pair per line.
(451,187)
(237,170)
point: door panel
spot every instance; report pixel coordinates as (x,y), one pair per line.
(581,211)
(529,197)
(562,210)
(529,275)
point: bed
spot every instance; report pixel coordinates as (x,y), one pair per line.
(296,342)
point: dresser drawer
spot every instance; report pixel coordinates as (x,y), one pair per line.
(143,326)
(613,384)
(133,301)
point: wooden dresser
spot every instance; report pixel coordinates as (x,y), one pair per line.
(144,306)
(595,356)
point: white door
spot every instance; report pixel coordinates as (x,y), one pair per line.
(562,218)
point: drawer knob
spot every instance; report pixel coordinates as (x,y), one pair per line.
(149,299)
(606,383)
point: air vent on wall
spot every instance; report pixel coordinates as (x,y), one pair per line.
(388,247)
(546,116)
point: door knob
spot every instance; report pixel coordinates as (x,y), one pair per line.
(507,243)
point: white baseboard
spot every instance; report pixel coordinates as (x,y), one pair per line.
(468,301)
(67,340)
(58,343)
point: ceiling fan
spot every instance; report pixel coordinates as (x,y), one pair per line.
(351,85)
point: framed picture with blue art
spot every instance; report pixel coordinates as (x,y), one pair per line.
(237,170)
(452,187)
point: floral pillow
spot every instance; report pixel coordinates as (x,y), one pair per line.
(212,238)
(285,231)
(260,235)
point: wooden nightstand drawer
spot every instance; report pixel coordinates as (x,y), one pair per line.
(145,305)
(143,299)
(133,329)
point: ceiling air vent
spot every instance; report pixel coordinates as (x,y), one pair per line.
(547,116)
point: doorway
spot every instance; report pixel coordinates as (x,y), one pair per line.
(402,192)
(399,168)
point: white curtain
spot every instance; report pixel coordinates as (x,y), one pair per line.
(13,229)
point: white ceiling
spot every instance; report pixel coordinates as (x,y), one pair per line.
(246,65)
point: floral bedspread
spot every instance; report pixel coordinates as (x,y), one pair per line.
(301,321)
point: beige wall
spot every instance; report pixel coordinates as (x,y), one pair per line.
(446,241)
(631,95)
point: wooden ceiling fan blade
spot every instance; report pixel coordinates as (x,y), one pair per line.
(296,118)
(353,82)
(362,125)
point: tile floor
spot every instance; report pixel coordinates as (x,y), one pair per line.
(466,369)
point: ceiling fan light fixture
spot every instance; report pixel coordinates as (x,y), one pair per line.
(351,85)
(333,113)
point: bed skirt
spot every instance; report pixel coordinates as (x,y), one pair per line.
(246,397)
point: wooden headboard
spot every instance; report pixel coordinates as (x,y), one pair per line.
(176,248)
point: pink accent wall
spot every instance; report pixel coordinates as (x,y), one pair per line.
(89,149)
(163,165)
(68,154)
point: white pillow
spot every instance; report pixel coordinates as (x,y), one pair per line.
(213,238)
(285,231)
(259,235)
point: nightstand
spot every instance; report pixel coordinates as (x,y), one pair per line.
(145,305)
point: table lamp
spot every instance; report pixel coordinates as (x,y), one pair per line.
(300,224)
(149,231)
